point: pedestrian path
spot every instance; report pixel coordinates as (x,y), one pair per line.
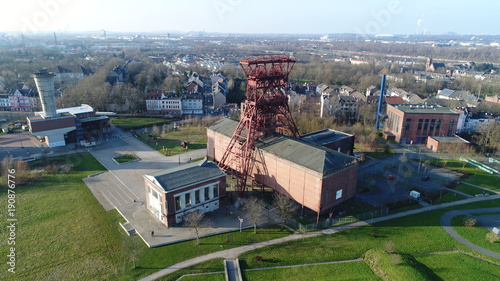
(235,252)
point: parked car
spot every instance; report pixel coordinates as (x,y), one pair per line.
(424,178)
(390,177)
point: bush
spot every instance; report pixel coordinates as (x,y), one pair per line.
(390,247)
(492,237)
(258,258)
(470,222)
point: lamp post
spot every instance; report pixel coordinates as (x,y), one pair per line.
(241,221)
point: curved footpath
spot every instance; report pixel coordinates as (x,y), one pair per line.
(235,252)
(446,224)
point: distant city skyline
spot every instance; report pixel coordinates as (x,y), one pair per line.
(253,16)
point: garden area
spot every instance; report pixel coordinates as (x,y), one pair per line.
(130,123)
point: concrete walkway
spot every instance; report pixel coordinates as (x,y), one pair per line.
(446,224)
(235,252)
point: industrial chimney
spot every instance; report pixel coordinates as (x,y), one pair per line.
(45,84)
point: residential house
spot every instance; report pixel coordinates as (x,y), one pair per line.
(431,66)
(195,187)
(494,99)
(21,99)
(192,104)
(158,103)
(70,74)
(4,102)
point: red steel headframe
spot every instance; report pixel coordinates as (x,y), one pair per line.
(264,112)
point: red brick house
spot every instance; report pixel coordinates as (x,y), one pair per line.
(411,123)
(173,193)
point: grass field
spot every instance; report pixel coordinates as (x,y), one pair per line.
(457,266)
(409,234)
(65,234)
(477,176)
(335,271)
(471,190)
(475,234)
(170,143)
(127,123)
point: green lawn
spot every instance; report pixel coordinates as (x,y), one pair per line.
(170,143)
(457,266)
(448,197)
(410,234)
(477,176)
(127,123)
(319,272)
(215,265)
(63,233)
(475,234)
(125,158)
(471,190)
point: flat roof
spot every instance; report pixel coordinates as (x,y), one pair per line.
(424,109)
(84,108)
(316,158)
(185,175)
(449,139)
(325,136)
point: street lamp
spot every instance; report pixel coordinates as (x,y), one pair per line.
(241,221)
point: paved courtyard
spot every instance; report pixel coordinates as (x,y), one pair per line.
(122,188)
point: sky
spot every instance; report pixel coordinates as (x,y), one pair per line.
(253,16)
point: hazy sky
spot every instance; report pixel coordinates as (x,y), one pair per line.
(254,16)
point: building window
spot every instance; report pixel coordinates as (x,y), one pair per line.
(438,127)
(177,203)
(407,125)
(419,127)
(197,196)
(450,129)
(431,129)
(216,190)
(187,196)
(426,126)
(338,195)
(207,193)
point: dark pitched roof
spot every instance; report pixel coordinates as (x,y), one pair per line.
(185,175)
(310,156)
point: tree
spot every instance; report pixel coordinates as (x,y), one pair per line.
(196,222)
(7,163)
(254,209)
(284,205)
(403,159)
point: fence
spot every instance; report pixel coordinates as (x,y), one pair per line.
(333,222)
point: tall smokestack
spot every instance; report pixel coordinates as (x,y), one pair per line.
(45,84)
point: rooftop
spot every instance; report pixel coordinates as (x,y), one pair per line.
(424,109)
(325,136)
(185,175)
(449,139)
(313,157)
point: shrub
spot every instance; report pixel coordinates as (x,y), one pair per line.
(258,258)
(390,247)
(470,222)
(492,237)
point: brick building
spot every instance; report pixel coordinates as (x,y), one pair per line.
(409,123)
(175,192)
(316,177)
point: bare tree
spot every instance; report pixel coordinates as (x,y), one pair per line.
(196,222)
(255,211)
(284,204)
(7,163)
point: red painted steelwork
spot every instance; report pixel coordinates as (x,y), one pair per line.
(264,112)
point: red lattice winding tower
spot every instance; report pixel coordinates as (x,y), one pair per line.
(264,112)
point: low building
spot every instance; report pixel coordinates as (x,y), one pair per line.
(158,103)
(192,104)
(332,139)
(175,192)
(316,177)
(452,144)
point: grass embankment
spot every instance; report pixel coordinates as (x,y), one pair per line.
(394,266)
(125,158)
(319,272)
(129,123)
(471,190)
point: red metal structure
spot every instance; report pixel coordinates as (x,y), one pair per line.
(264,112)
